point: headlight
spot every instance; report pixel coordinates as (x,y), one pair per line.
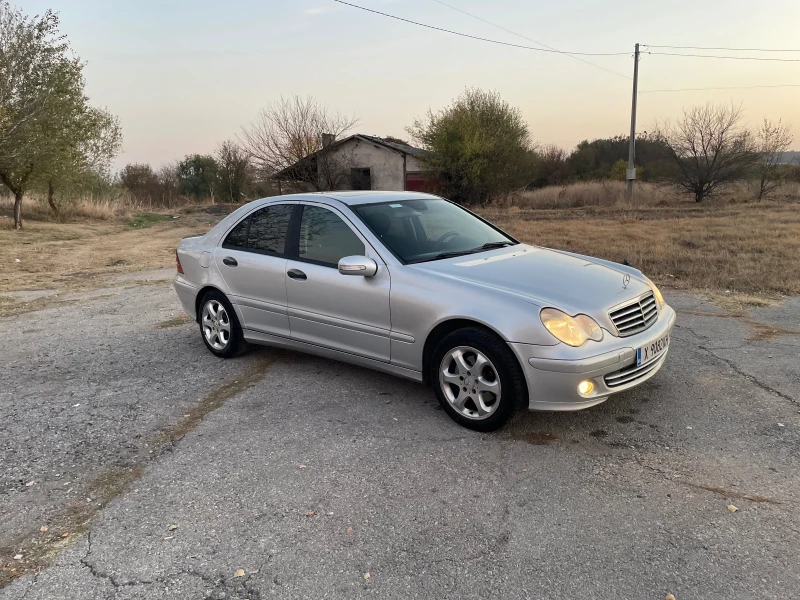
(657,294)
(574,331)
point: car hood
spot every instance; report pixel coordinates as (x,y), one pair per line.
(545,277)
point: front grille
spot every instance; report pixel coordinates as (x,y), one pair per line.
(636,316)
(631,373)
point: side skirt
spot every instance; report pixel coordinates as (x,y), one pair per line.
(266,339)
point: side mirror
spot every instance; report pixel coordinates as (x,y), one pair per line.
(358,265)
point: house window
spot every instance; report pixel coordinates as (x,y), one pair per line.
(360,179)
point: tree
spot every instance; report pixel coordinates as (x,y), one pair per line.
(81,152)
(198,176)
(773,140)
(140,180)
(478,147)
(234,171)
(552,166)
(289,136)
(48,132)
(710,148)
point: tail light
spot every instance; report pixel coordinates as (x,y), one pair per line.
(178,262)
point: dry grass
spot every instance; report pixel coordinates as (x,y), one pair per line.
(612,193)
(750,250)
(723,245)
(85,254)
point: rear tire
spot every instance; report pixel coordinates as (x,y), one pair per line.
(219,326)
(477,379)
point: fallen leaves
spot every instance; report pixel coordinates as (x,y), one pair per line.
(732,508)
(239,573)
(65,534)
(43,528)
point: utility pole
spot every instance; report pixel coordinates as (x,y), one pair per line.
(631,173)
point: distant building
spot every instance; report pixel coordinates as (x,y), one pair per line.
(359,162)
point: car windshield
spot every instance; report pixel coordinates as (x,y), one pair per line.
(429,229)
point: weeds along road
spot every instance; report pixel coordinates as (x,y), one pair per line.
(137,466)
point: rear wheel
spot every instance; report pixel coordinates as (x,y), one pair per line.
(477,379)
(219,326)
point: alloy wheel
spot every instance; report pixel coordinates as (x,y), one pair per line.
(216,325)
(470,382)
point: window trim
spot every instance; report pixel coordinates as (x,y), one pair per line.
(248,217)
(293,252)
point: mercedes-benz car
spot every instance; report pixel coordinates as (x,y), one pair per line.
(420,287)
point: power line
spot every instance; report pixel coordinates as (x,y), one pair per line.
(723,48)
(739,87)
(526,37)
(474,37)
(722,57)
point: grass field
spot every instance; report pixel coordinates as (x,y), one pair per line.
(748,250)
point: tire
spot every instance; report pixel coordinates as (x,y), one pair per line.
(219,326)
(482,401)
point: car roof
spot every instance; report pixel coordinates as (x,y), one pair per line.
(359,197)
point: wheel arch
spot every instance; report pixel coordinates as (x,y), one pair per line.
(199,298)
(443,329)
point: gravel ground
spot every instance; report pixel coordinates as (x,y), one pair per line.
(160,471)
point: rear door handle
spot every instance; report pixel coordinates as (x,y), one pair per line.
(296,274)
(231,262)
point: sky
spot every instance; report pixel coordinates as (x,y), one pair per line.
(184,75)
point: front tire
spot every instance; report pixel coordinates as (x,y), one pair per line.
(219,326)
(477,379)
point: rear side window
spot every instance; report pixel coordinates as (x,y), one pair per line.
(325,238)
(237,238)
(268,229)
(264,231)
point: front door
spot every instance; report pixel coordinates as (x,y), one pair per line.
(343,312)
(252,261)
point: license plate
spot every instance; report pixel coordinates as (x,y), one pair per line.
(647,353)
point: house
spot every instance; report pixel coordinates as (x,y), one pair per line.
(359,162)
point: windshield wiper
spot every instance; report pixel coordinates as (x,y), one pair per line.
(455,253)
(490,245)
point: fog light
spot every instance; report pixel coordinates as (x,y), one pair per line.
(585,388)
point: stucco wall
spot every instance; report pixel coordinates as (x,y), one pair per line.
(386,166)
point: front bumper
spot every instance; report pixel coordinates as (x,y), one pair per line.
(554,372)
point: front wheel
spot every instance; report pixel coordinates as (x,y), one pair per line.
(219,326)
(477,379)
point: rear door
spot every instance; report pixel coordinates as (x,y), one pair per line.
(252,260)
(344,312)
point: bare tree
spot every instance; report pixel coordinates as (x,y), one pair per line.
(290,135)
(773,140)
(234,171)
(710,147)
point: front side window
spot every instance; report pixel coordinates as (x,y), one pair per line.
(430,229)
(263,231)
(325,238)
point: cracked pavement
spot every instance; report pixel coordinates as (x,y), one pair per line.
(323,480)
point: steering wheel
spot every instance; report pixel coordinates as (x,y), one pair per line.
(446,237)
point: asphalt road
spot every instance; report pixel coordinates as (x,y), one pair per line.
(322,480)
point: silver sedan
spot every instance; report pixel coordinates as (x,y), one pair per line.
(419,287)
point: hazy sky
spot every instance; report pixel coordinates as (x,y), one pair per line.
(184,75)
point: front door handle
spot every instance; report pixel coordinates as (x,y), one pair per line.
(296,274)
(231,262)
